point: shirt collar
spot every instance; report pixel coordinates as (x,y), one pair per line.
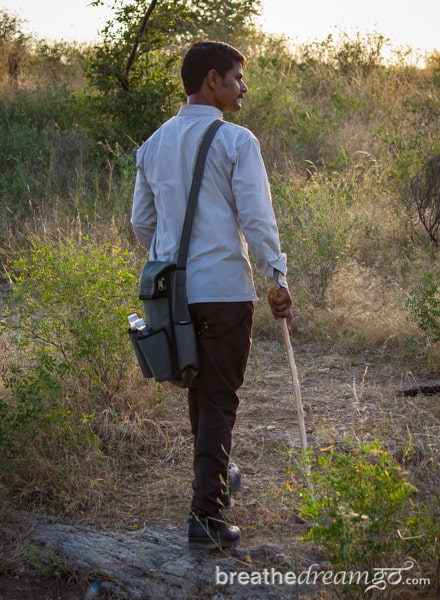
(197,110)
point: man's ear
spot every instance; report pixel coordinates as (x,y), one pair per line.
(212,78)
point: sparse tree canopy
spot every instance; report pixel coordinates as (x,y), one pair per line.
(12,45)
(134,68)
(140,29)
(10,27)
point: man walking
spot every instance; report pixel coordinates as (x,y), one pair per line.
(234,212)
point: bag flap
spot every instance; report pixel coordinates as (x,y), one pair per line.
(153,282)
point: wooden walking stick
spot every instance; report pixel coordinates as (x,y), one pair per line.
(295,379)
(296,392)
(299,404)
(296,388)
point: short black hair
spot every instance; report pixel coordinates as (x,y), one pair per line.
(204,56)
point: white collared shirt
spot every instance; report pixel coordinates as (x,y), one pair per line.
(234,208)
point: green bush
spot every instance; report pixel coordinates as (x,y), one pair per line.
(424,307)
(65,327)
(69,301)
(315,227)
(357,502)
(36,418)
(42,154)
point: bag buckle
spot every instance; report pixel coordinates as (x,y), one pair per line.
(162,284)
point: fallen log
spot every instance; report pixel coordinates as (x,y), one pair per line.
(422,387)
(153,564)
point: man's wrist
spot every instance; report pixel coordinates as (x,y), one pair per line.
(278,280)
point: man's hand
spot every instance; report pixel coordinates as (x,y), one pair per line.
(280,302)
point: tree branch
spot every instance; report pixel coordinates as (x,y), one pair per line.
(124,79)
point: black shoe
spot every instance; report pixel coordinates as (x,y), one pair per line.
(211,532)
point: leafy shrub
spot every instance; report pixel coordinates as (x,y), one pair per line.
(35,418)
(357,502)
(69,301)
(41,155)
(315,228)
(424,307)
(65,330)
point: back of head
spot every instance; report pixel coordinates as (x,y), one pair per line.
(204,56)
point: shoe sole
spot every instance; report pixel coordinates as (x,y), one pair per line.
(203,544)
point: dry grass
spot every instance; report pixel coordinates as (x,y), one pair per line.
(364,311)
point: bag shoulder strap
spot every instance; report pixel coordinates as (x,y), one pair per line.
(194,192)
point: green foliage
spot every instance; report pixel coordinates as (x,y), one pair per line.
(56,65)
(13,46)
(69,302)
(316,225)
(230,21)
(134,78)
(125,118)
(357,502)
(359,55)
(269,99)
(41,65)
(126,104)
(289,122)
(34,418)
(302,102)
(65,325)
(50,165)
(41,153)
(10,27)
(424,306)
(403,134)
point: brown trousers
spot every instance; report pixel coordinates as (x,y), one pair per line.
(224,341)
